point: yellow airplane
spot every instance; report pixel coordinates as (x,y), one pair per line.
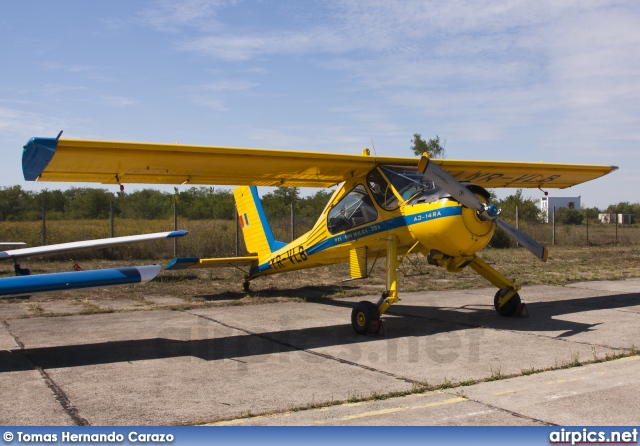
(383,207)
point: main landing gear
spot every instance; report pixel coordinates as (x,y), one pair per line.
(509,308)
(365,317)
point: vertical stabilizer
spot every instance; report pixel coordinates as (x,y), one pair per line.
(257,233)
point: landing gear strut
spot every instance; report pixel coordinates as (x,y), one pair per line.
(246,285)
(507,299)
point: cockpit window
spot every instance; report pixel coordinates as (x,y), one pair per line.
(355,209)
(407,182)
(381,190)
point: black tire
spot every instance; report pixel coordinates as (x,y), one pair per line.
(361,316)
(373,309)
(511,307)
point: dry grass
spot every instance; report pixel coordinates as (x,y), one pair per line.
(217,238)
(223,286)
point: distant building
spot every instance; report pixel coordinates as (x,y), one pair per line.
(623,219)
(547,204)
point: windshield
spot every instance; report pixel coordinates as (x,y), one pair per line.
(407,181)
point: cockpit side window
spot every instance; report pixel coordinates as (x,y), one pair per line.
(381,190)
(354,209)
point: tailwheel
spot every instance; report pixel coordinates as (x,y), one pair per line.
(510,308)
(363,313)
(246,286)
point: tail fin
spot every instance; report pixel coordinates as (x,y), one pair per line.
(256,230)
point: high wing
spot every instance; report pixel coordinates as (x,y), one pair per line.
(113,162)
(25,283)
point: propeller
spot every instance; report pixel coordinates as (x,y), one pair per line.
(485,212)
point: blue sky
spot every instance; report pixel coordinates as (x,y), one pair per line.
(555,81)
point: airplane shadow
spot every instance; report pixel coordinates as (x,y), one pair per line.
(404,321)
(307,292)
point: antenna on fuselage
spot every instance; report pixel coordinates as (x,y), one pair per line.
(374,148)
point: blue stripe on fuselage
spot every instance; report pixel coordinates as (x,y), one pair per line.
(375,228)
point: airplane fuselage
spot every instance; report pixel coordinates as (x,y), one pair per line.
(442,225)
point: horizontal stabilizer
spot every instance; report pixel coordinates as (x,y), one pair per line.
(21,285)
(87,244)
(224,262)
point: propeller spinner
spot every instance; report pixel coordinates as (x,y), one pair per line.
(485,212)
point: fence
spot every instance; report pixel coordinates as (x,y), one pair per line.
(590,233)
(207,238)
(222,238)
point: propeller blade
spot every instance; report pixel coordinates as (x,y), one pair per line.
(443,179)
(536,248)
(468,199)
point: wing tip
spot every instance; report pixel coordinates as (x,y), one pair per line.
(178,233)
(148,272)
(36,156)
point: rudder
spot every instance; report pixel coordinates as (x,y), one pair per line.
(258,236)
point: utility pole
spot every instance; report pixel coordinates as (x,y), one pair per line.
(44,223)
(175,227)
(293,222)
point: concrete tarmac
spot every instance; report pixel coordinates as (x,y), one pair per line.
(301,363)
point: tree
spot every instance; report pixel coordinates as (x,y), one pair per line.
(312,206)
(15,203)
(527,208)
(277,204)
(624,207)
(206,202)
(591,213)
(528,211)
(569,216)
(145,204)
(87,203)
(433,146)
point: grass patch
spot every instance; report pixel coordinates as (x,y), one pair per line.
(566,265)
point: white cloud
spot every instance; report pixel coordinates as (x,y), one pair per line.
(18,123)
(171,15)
(118,101)
(222,86)
(209,102)
(57,66)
